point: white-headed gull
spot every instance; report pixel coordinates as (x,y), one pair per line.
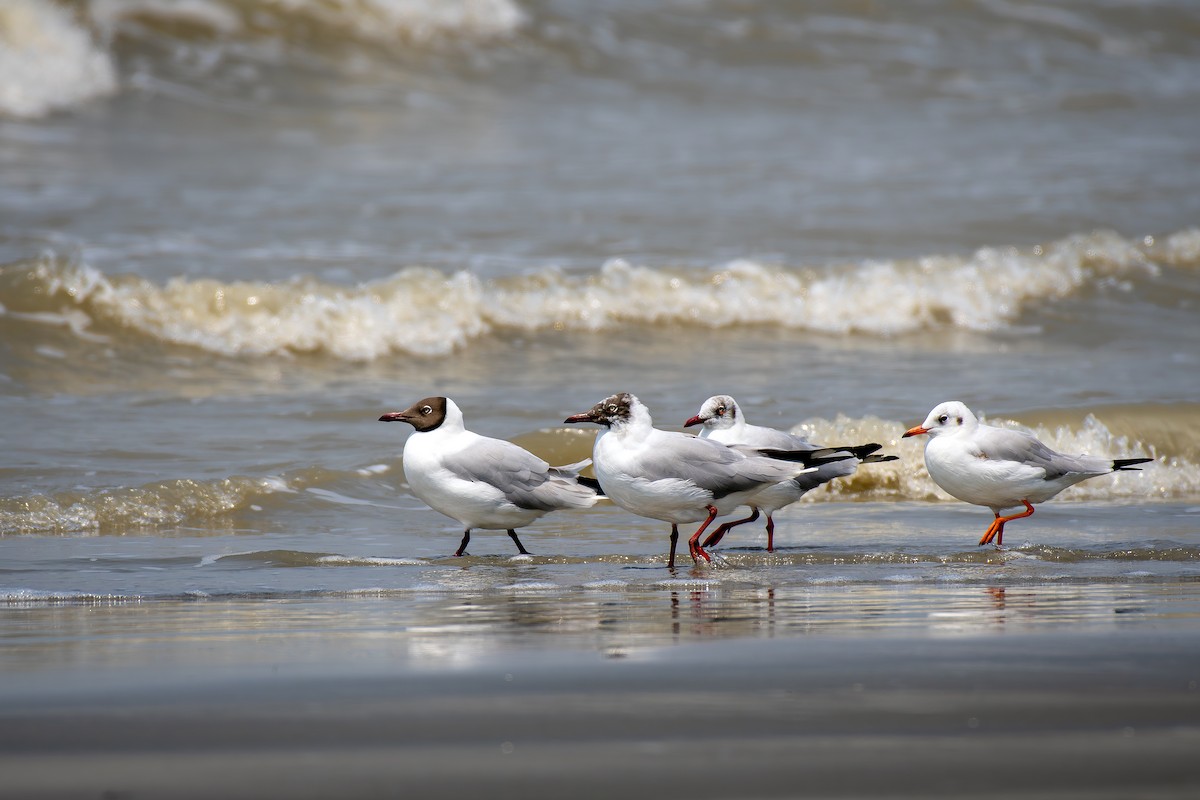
(675,477)
(479,481)
(724,422)
(999,467)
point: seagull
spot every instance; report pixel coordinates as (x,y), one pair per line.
(482,482)
(1001,468)
(676,477)
(724,422)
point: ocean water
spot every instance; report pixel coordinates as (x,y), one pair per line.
(233,233)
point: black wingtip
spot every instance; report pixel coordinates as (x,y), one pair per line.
(809,458)
(1127,463)
(825,455)
(879,459)
(591,483)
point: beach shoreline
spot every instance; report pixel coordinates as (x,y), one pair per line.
(1058,712)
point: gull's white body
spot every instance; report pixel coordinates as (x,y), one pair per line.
(731,428)
(675,477)
(479,481)
(483,482)
(672,476)
(998,467)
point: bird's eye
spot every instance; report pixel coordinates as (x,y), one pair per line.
(426,410)
(942,419)
(720,411)
(612,409)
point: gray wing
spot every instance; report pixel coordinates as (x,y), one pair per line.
(825,473)
(713,466)
(525,480)
(774,439)
(1003,444)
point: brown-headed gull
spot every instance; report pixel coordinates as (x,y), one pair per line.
(999,467)
(678,478)
(479,481)
(724,422)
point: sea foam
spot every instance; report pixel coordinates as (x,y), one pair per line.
(47,60)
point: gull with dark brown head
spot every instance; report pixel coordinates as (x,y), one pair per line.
(1001,468)
(675,477)
(723,421)
(479,481)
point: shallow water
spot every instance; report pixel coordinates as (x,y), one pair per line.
(232,234)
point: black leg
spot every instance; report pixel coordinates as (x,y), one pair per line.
(463,545)
(521,547)
(674,541)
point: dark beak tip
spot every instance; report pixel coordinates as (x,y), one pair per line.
(692,421)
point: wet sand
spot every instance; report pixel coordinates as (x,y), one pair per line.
(1056,713)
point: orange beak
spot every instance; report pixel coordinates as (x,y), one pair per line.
(917,431)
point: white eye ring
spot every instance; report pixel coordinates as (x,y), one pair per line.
(426,410)
(943,418)
(612,409)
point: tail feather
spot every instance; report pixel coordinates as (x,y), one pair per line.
(1127,463)
(859,451)
(809,458)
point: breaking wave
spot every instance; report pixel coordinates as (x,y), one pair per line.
(421,311)
(53,58)
(48,60)
(118,510)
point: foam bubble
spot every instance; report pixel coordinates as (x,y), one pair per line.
(47,60)
(371,561)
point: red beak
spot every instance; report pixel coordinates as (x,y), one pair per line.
(394,416)
(693,421)
(917,431)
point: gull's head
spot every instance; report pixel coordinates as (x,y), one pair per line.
(425,415)
(717,413)
(617,409)
(946,418)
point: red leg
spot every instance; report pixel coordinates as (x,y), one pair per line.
(990,533)
(674,540)
(463,544)
(716,536)
(996,530)
(770,534)
(694,543)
